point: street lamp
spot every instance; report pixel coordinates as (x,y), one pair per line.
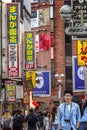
(59,81)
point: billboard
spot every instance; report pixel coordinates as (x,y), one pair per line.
(43,86)
(78,76)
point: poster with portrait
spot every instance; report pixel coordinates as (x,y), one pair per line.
(43,81)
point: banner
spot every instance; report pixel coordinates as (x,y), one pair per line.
(10,91)
(78,76)
(43,87)
(29,50)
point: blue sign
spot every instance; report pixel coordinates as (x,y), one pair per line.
(78,76)
(42,84)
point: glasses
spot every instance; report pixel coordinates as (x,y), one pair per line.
(67,97)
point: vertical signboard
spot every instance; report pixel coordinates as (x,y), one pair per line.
(30,78)
(12,15)
(10,91)
(43,81)
(29,51)
(78,76)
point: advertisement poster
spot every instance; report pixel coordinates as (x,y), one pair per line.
(43,42)
(78,76)
(10,91)
(43,81)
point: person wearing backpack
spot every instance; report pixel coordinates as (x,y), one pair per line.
(31,119)
(18,120)
(7,121)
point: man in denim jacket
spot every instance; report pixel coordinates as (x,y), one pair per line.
(68,113)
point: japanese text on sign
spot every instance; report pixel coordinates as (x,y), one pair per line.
(12,23)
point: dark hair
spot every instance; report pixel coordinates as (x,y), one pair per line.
(31,110)
(68,91)
(53,113)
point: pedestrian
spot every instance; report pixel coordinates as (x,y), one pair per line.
(7,120)
(83,108)
(32,119)
(46,121)
(54,124)
(68,115)
(18,120)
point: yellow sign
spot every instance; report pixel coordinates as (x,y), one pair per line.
(81,52)
(31,75)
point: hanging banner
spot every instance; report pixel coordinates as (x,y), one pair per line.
(78,76)
(43,87)
(12,15)
(10,91)
(12,61)
(81,52)
(29,58)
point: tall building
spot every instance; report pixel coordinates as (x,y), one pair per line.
(15,19)
(59,58)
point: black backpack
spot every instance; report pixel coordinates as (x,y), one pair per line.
(31,120)
(16,122)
